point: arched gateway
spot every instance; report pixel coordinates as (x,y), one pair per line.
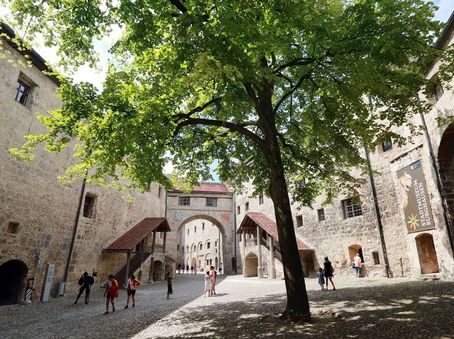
(211,202)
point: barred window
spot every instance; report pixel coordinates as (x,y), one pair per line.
(261,199)
(211,202)
(299,220)
(184,201)
(89,205)
(352,208)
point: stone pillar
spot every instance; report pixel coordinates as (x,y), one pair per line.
(128,257)
(272,272)
(150,275)
(243,252)
(259,252)
(164,243)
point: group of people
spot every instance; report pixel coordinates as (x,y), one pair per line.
(326,273)
(210,282)
(111,289)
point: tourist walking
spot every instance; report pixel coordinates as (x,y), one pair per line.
(328,272)
(321,278)
(357,262)
(131,290)
(207,289)
(85,283)
(213,276)
(169,277)
(111,286)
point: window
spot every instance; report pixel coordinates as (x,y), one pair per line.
(208,245)
(321,214)
(216,243)
(376,258)
(195,229)
(159,191)
(246,206)
(238,210)
(203,226)
(261,199)
(299,220)
(438,90)
(212,202)
(22,92)
(200,247)
(352,208)
(188,231)
(184,201)
(178,248)
(387,145)
(301,184)
(13,227)
(187,248)
(89,205)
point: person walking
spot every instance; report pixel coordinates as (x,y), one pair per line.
(328,272)
(131,290)
(207,280)
(169,277)
(111,286)
(213,276)
(85,283)
(357,262)
(321,278)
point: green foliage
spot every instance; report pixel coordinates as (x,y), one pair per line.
(197,81)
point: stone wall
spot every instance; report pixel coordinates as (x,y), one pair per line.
(43,210)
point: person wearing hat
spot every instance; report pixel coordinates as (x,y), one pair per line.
(111,286)
(85,283)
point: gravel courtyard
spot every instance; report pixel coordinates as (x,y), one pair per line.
(246,308)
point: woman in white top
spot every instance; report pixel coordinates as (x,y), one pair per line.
(207,280)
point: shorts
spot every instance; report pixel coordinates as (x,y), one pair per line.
(131,292)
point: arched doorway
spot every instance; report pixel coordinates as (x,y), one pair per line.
(250,265)
(352,250)
(427,255)
(446,169)
(13,274)
(157,271)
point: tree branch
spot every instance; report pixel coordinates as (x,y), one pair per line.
(295,62)
(292,90)
(239,128)
(197,109)
(178,4)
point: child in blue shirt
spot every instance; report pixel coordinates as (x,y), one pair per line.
(321,278)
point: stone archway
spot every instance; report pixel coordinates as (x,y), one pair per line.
(427,255)
(13,274)
(446,170)
(251,264)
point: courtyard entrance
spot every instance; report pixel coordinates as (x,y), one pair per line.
(251,265)
(12,281)
(427,255)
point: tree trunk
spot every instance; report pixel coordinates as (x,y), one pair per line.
(297,300)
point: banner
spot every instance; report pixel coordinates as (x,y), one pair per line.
(414,198)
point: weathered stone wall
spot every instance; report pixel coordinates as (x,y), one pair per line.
(45,210)
(221,216)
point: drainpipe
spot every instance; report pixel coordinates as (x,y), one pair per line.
(377,213)
(73,236)
(438,182)
(234,233)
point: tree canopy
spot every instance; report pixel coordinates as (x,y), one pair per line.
(280,92)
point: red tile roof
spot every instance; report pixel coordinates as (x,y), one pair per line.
(136,234)
(254,219)
(211,187)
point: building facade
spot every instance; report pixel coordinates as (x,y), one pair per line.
(401,221)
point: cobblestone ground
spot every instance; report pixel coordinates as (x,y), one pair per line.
(247,308)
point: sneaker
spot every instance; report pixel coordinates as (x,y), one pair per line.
(106,312)
(133,305)
(113,309)
(127,306)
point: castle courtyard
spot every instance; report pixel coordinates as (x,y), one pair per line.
(246,308)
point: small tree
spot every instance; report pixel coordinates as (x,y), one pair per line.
(280,92)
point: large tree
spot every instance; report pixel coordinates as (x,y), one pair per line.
(282,93)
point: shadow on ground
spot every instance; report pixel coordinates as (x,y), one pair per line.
(407,310)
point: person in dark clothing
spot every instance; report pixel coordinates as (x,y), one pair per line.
(329,272)
(169,277)
(85,283)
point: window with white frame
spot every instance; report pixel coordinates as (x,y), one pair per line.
(352,207)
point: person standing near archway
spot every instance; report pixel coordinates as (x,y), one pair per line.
(357,264)
(213,276)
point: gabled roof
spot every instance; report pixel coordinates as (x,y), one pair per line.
(253,219)
(208,188)
(137,233)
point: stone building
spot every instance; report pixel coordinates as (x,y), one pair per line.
(401,221)
(199,245)
(37,214)
(208,203)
